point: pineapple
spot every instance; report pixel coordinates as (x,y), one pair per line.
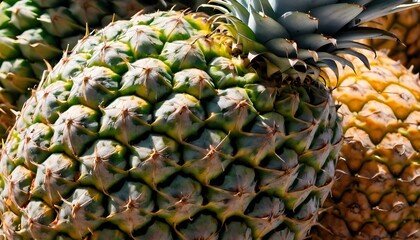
(176,125)
(405,25)
(376,195)
(35,31)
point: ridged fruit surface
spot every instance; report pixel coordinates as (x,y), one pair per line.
(35,31)
(406,26)
(174,126)
(377,191)
(152,129)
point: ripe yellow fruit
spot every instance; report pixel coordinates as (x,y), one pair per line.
(376,194)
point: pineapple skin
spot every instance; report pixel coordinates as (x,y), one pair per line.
(33,32)
(376,192)
(405,25)
(151,129)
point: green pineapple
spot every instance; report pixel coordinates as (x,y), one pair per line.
(173,125)
(35,31)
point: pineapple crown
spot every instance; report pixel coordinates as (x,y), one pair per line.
(301,37)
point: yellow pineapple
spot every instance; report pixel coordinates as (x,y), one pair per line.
(7,116)
(376,194)
(405,25)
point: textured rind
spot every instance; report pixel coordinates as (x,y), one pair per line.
(35,31)
(204,159)
(376,192)
(7,118)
